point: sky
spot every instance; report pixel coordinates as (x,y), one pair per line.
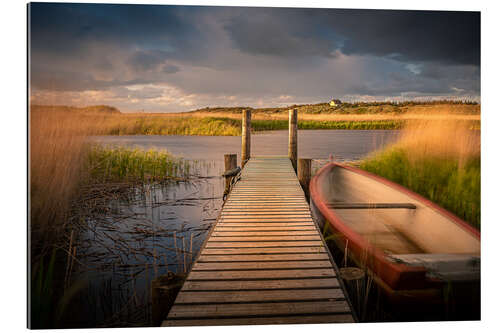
(159,58)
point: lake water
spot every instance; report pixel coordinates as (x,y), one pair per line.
(159,229)
(316,144)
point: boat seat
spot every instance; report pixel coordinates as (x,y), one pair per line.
(369,205)
(449,267)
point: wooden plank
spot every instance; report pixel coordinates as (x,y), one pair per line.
(261,220)
(266,196)
(263,192)
(200,297)
(262,274)
(257,309)
(264,228)
(266,206)
(211,244)
(330,282)
(263,257)
(280,225)
(255,265)
(264,250)
(286,216)
(300,212)
(223,233)
(263,206)
(286,213)
(299,319)
(264,238)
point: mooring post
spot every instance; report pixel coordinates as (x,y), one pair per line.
(304,174)
(246,126)
(292,137)
(230,163)
(164,290)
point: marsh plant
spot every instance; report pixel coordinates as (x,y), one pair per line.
(439,160)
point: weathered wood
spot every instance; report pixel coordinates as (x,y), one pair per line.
(261,257)
(262,285)
(230,163)
(255,265)
(265,250)
(200,297)
(163,294)
(292,137)
(298,319)
(274,239)
(246,125)
(258,309)
(262,274)
(232,233)
(212,244)
(265,260)
(257,225)
(304,174)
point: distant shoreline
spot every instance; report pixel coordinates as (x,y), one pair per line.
(227,121)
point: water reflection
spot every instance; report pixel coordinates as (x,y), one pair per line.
(153,230)
(317,144)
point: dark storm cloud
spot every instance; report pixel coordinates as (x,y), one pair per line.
(451,37)
(67,27)
(280,32)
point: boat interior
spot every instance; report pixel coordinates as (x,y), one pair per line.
(403,227)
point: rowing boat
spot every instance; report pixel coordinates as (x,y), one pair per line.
(411,246)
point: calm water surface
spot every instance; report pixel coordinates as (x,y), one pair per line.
(316,144)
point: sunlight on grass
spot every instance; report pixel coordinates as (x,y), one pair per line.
(439,160)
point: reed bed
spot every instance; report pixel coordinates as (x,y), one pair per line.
(118,164)
(227,121)
(439,160)
(72,182)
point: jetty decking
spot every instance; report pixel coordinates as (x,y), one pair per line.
(265,261)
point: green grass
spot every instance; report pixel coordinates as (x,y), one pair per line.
(221,126)
(118,164)
(460,107)
(175,126)
(267,125)
(443,181)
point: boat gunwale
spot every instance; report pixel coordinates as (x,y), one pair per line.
(360,242)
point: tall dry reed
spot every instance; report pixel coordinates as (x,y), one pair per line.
(440,160)
(56,152)
(447,140)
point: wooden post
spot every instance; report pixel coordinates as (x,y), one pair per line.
(292,137)
(164,290)
(230,162)
(304,174)
(246,126)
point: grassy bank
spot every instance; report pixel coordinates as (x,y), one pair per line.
(358,108)
(266,125)
(440,161)
(227,121)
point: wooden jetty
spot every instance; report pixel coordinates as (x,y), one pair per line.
(264,261)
